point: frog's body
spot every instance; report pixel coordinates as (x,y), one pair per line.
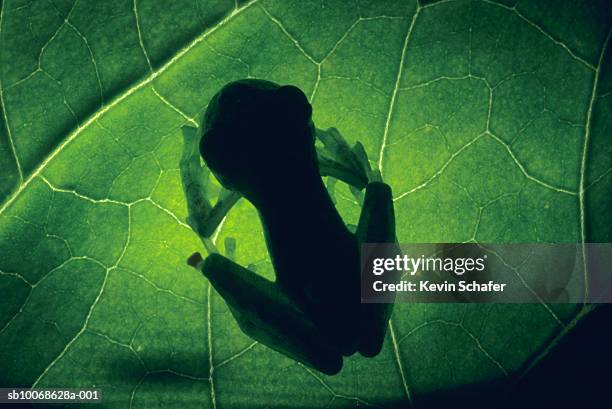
(258,139)
(316,259)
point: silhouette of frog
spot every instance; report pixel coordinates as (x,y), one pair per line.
(258,139)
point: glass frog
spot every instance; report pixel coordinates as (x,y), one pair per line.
(258,139)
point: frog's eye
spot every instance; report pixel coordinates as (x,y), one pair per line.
(293,106)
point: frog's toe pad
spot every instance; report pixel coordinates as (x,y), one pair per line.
(195,259)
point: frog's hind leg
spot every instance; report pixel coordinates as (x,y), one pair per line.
(376,225)
(265,314)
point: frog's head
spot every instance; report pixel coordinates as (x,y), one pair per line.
(256,134)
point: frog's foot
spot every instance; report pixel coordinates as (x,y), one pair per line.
(265,314)
(338,160)
(195,260)
(203,218)
(194,179)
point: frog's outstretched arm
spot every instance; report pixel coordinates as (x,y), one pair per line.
(376,225)
(377,219)
(338,160)
(376,222)
(203,217)
(265,314)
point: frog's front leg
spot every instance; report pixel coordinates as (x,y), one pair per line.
(376,222)
(338,160)
(376,226)
(265,314)
(203,217)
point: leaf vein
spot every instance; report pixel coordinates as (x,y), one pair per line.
(543,32)
(585,147)
(76,132)
(140,40)
(399,362)
(4,114)
(396,87)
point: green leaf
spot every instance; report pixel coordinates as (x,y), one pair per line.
(489,119)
